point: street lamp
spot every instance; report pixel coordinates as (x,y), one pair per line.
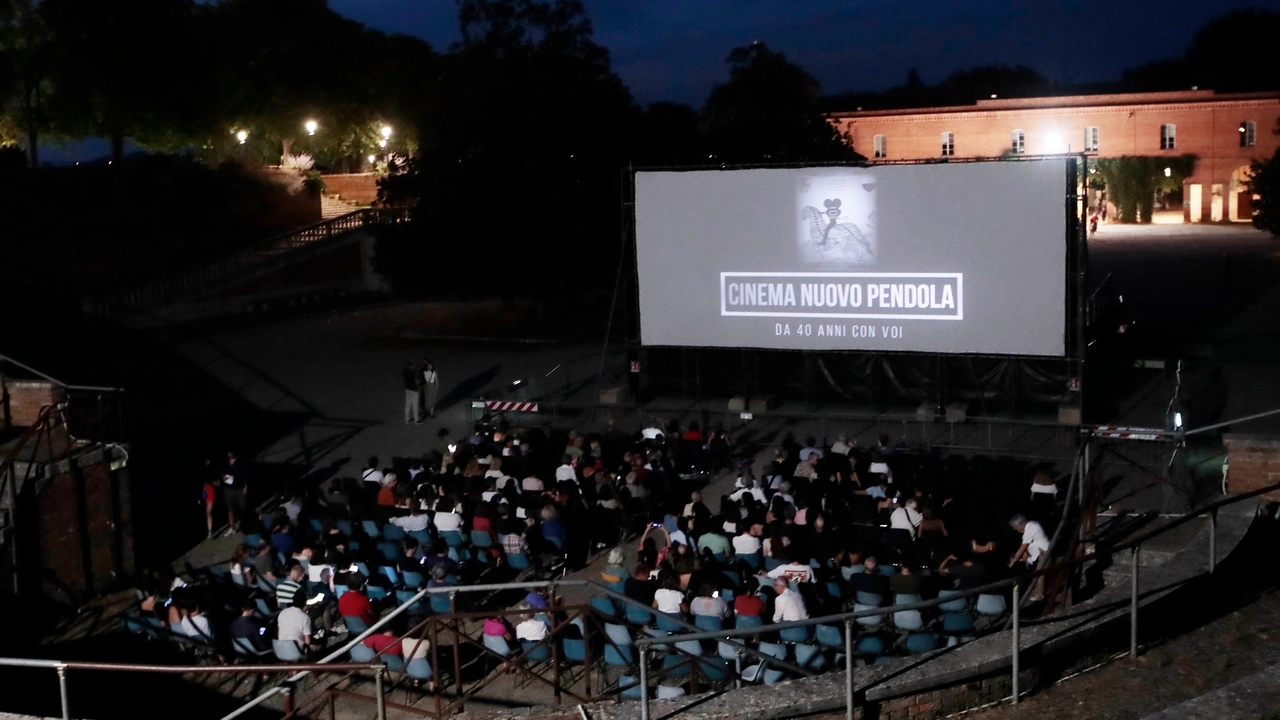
(242,135)
(311,126)
(382,143)
(386,132)
(373,159)
(1168,172)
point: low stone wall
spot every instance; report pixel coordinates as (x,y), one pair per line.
(353,187)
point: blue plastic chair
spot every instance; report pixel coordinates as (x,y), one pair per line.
(370,528)
(345,527)
(908,620)
(418,669)
(264,610)
(870,620)
(770,563)
(794,635)
(422,536)
(604,606)
(404,596)
(834,590)
(830,636)
(772,676)
(752,560)
(390,551)
(287,651)
(991,604)
(713,670)
(316,525)
(810,657)
(252,540)
(619,656)
(362,653)
(412,580)
(575,651)
(390,573)
(666,624)
(870,645)
(618,634)
(481,539)
(708,622)
(452,538)
(246,648)
(518,561)
(394,663)
(676,665)
(392,533)
(536,652)
(498,644)
(362,568)
(355,625)
(921,642)
(748,621)
(376,592)
(957,623)
(629,687)
(440,603)
(869,598)
(639,615)
(959,604)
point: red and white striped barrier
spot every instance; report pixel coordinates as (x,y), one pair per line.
(1129,433)
(509,406)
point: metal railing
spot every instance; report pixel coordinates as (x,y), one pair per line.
(63,666)
(734,637)
(211,274)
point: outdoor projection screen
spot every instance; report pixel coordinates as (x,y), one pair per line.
(938,258)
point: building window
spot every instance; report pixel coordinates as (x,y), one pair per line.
(1168,136)
(1018,142)
(948,144)
(1248,133)
(880,147)
(1091,139)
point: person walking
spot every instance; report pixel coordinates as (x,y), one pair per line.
(430,387)
(412,398)
(235,490)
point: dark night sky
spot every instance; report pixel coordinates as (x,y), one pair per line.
(675,49)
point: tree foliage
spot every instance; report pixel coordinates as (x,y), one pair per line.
(26,68)
(1132,182)
(1264,183)
(769,111)
(1236,52)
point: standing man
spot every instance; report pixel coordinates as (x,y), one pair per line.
(235,484)
(412,398)
(430,387)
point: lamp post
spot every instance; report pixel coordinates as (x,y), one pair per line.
(311,126)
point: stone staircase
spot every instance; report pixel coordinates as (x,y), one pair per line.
(332,206)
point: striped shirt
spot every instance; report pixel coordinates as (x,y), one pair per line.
(285,591)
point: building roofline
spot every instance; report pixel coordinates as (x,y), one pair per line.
(1071,101)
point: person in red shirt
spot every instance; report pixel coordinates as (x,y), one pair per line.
(387,495)
(354,603)
(748,604)
(386,642)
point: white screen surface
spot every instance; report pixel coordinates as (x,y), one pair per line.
(946,258)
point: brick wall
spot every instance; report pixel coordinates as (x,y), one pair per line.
(353,187)
(1253,462)
(25,398)
(1208,126)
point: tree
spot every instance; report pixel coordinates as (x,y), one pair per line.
(25,73)
(1132,182)
(1264,182)
(769,111)
(1235,52)
(518,175)
(128,69)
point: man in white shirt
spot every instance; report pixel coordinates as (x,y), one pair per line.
(810,448)
(793,571)
(531,630)
(651,432)
(372,474)
(788,606)
(447,520)
(567,472)
(532,484)
(414,521)
(745,543)
(906,518)
(294,623)
(750,489)
(841,446)
(1034,541)
(196,625)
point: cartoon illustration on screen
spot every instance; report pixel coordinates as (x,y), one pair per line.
(837,219)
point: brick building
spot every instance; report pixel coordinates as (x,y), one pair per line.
(1224,131)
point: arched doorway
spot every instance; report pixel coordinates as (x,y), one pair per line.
(1239,199)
